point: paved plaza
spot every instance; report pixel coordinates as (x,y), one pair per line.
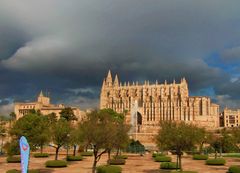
(134,164)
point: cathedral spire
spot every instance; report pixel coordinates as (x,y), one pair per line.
(183,80)
(109,81)
(116,82)
(41,94)
(109,74)
(104,83)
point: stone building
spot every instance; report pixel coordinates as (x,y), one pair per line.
(147,104)
(231,118)
(44,105)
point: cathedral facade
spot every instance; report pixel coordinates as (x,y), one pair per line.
(146,105)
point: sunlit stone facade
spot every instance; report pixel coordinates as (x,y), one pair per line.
(231,118)
(155,103)
(44,106)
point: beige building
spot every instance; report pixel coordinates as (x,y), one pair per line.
(44,105)
(148,104)
(231,118)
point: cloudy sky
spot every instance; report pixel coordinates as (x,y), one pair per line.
(66,47)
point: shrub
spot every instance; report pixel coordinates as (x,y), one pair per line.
(184,172)
(168,165)
(74,158)
(120,157)
(116,162)
(234,169)
(12,148)
(218,161)
(39,155)
(200,157)
(109,169)
(162,159)
(14,159)
(157,154)
(56,163)
(232,155)
(87,153)
(18,171)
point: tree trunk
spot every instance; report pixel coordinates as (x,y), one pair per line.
(109,154)
(94,165)
(56,155)
(41,148)
(118,151)
(215,153)
(221,151)
(180,161)
(86,147)
(2,146)
(201,148)
(67,150)
(95,152)
(74,150)
(177,163)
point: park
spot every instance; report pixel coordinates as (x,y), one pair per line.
(100,143)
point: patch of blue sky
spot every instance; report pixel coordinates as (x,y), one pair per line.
(214,60)
(209,91)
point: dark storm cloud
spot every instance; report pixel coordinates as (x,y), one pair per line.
(231,55)
(67,47)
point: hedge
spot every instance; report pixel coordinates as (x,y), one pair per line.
(232,155)
(109,169)
(56,163)
(18,171)
(116,162)
(40,155)
(200,157)
(162,159)
(14,159)
(87,153)
(192,152)
(234,169)
(218,161)
(184,172)
(74,158)
(120,157)
(168,165)
(157,154)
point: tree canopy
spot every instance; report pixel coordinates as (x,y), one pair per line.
(100,129)
(68,114)
(178,136)
(34,127)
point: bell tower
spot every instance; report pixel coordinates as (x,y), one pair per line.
(43,99)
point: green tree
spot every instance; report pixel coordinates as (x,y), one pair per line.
(2,135)
(12,116)
(98,129)
(121,140)
(52,118)
(228,141)
(60,133)
(177,136)
(235,133)
(34,127)
(121,137)
(215,143)
(68,114)
(74,139)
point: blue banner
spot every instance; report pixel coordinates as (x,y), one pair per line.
(24,148)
